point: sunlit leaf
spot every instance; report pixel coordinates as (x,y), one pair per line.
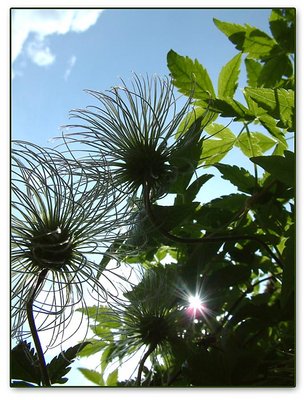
(228,77)
(248,39)
(91,348)
(215,148)
(253,69)
(278,102)
(94,312)
(112,378)
(189,76)
(199,115)
(269,123)
(274,70)
(254,143)
(93,376)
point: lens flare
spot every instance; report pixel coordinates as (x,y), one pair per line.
(196,307)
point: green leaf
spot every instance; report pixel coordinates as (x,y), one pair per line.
(184,159)
(278,102)
(95,346)
(289,273)
(195,187)
(281,168)
(92,376)
(254,144)
(282,26)
(228,77)
(258,44)
(248,144)
(233,202)
(106,357)
(239,177)
(270,124)
(59,366)
(96,313)
(228,276)
(24,363)
(253,69)
(266,314)
(264,142)
(190,77)
(248,39)
(199,116)
(212,218)
(236,33)
(274,70)
(103,330)
(170,217)
(112,378)
(231,108)
(216,148)
(107,257)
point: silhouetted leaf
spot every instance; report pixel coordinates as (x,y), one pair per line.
(60,365)
(289,273)
(195,187)
(282,25)
(25,364)
(281,168)
(239,177)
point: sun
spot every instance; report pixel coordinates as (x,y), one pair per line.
(196,307)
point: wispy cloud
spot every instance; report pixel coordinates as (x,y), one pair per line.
(39,53)
(44,22)
(70,66)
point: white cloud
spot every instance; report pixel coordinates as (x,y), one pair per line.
(39,53)
(45,22)
(70,66)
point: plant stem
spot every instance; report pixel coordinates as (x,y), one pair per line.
(31,320)
(150,350)
(208,239)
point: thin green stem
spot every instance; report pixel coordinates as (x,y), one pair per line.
(31,320)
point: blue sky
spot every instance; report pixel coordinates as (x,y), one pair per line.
(59,53)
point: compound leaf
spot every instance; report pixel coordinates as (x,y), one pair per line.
(190,77)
